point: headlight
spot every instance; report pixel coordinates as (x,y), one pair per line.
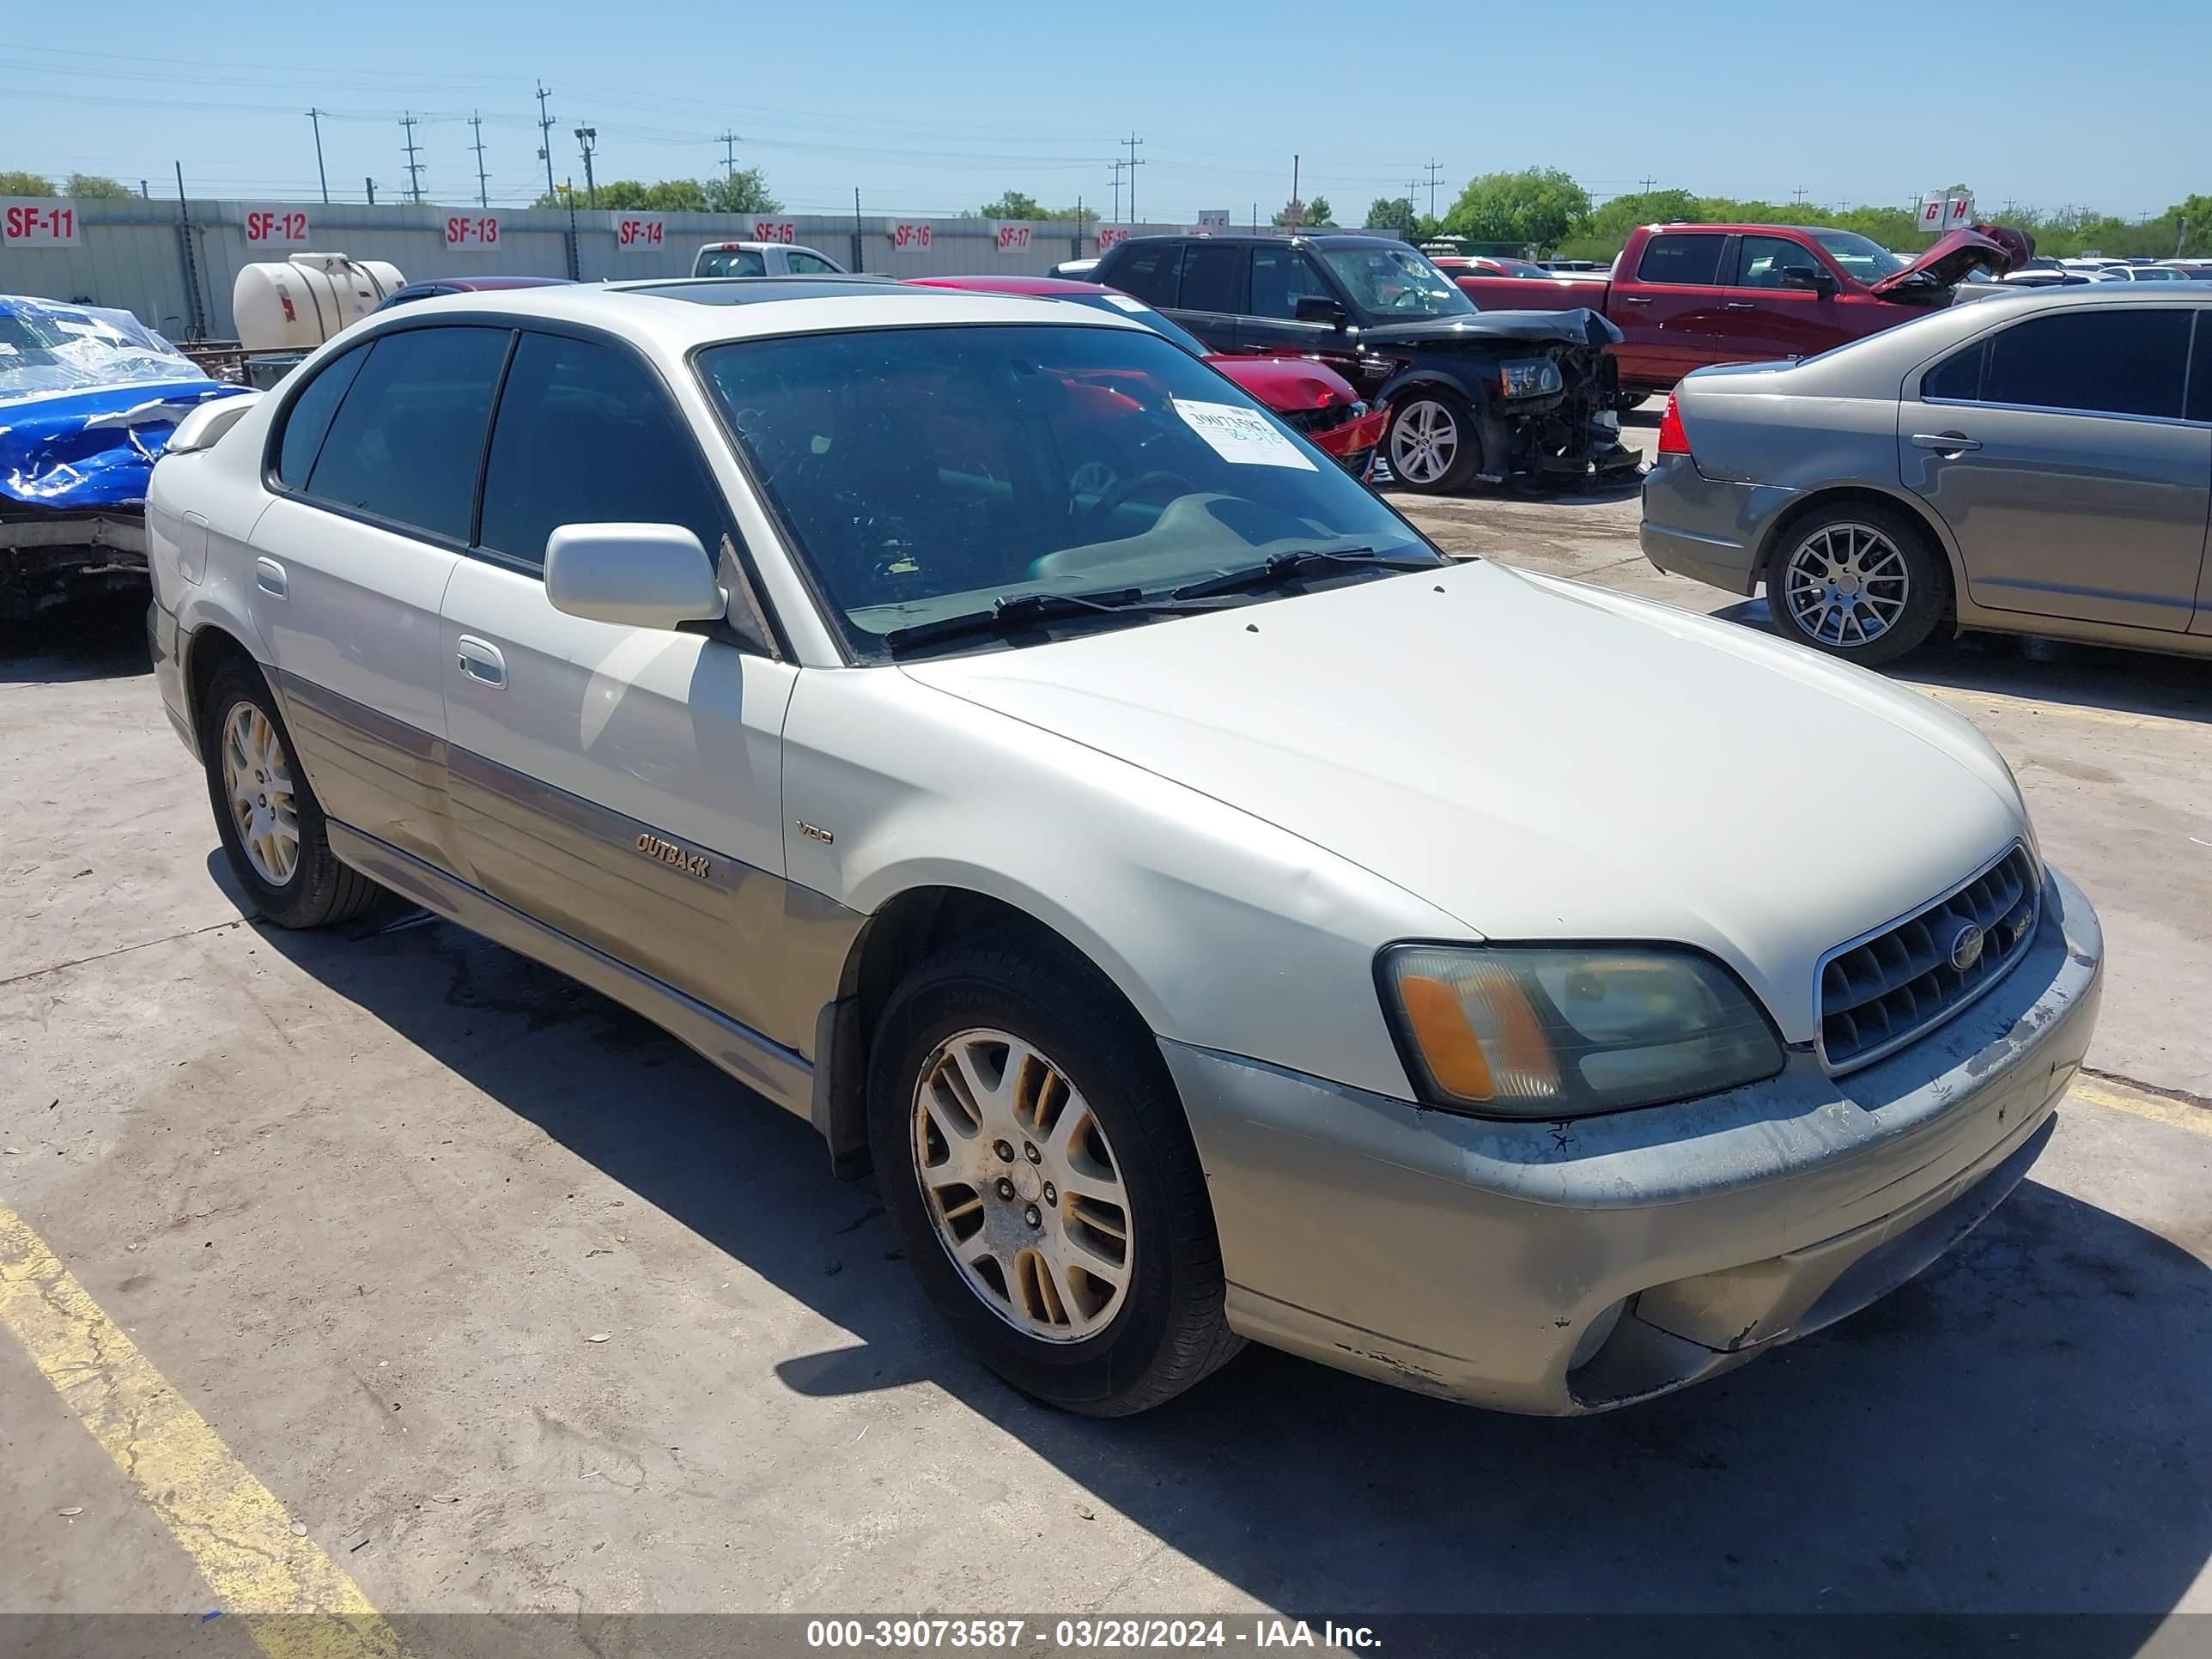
(1535,378)
(1538,1031)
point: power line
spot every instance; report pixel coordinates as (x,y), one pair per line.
(483,187)
(414,167)
(545,143)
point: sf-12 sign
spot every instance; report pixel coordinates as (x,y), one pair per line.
(1112,236)
(276,227)
(472,233)
(910,238)
(1013,239)
(38,224)
(774,230)
(641,235)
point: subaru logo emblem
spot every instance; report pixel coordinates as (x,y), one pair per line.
(1966,947)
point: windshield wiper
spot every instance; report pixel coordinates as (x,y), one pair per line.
(1282,567)
(1010,611)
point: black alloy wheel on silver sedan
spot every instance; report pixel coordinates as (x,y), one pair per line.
(1856,581)
(1035,1157)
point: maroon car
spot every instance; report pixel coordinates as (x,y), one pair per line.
(1310,396)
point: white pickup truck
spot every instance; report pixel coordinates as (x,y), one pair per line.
(763,259)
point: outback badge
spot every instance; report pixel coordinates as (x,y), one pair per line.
(691,864)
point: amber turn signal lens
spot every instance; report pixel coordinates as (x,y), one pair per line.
(1448,1043)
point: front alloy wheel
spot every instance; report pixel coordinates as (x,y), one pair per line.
(1022,1185)
(1423,443)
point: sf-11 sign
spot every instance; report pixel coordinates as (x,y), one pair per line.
(38,224)
(472,233)
(277,227)
(641,235)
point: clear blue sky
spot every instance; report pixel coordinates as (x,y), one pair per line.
(930,109)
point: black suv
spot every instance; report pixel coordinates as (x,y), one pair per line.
(1473,396)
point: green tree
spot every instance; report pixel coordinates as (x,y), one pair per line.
(1316,214)
(1392,213)
(1536,207)
(25,184)
(91,186)
(1012,204)
(742,190)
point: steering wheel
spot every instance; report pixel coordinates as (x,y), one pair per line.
(1133,488)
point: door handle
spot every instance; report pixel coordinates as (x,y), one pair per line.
(1944,443)
(1635,299)
(1738,305)
(480,659)
(269,577)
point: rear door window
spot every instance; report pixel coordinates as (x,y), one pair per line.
(1958,378)
(811,264)
(586,435)
(1149,274)
(308,421)
(2096,361)
(409,435)
(1213,277)
(1691,257)
(1281,276)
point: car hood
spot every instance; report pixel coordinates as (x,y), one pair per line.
(1288,383)
(1994,248)
(1578,325)
(1546,761)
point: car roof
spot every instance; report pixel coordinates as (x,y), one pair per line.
(1260,239)
(680,313)
(486,285)
(1043,287)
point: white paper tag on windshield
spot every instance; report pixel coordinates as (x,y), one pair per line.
(1242,435)
(1126,303)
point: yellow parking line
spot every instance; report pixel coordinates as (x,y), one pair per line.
(2101,1091)
(2068,711)
(298,1603)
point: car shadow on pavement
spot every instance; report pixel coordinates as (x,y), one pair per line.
(2042,671)
(88,640)
(2017,1430)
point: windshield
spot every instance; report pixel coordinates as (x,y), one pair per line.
(1397,283)
(925,473)
(1867,260)
(47,348)
(731,262)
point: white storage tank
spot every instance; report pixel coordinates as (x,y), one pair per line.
(302,302)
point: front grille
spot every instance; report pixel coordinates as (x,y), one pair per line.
(1880,992)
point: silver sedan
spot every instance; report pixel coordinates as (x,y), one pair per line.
(2034,462)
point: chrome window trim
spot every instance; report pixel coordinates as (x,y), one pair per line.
(1859,1062)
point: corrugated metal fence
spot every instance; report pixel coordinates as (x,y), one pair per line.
(173,264)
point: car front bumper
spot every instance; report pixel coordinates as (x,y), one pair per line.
(1709,529)
(1470,1258)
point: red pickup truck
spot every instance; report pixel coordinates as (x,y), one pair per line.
(1685,296)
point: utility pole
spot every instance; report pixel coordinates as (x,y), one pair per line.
(1410,208)
(1130,144)
(1646,181)
(414,167)
(545,141)
(1115,166)
(1798,194)
(585,137)
(728,141)
(1435,168)
(483,187)
(316,116)
(369,184)
(1298,208)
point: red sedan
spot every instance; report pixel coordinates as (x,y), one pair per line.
(1310,396)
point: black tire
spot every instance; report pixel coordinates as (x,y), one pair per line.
(1410,408)
(1927,581)
(1169,1331)
(319,890)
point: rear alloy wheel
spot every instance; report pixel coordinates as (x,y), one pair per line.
(1858,581)
(1432,444)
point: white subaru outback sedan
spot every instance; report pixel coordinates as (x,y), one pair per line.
(974,725)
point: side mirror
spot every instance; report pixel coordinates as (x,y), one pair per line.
(646,575)
(1320,308)
(1807,276)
